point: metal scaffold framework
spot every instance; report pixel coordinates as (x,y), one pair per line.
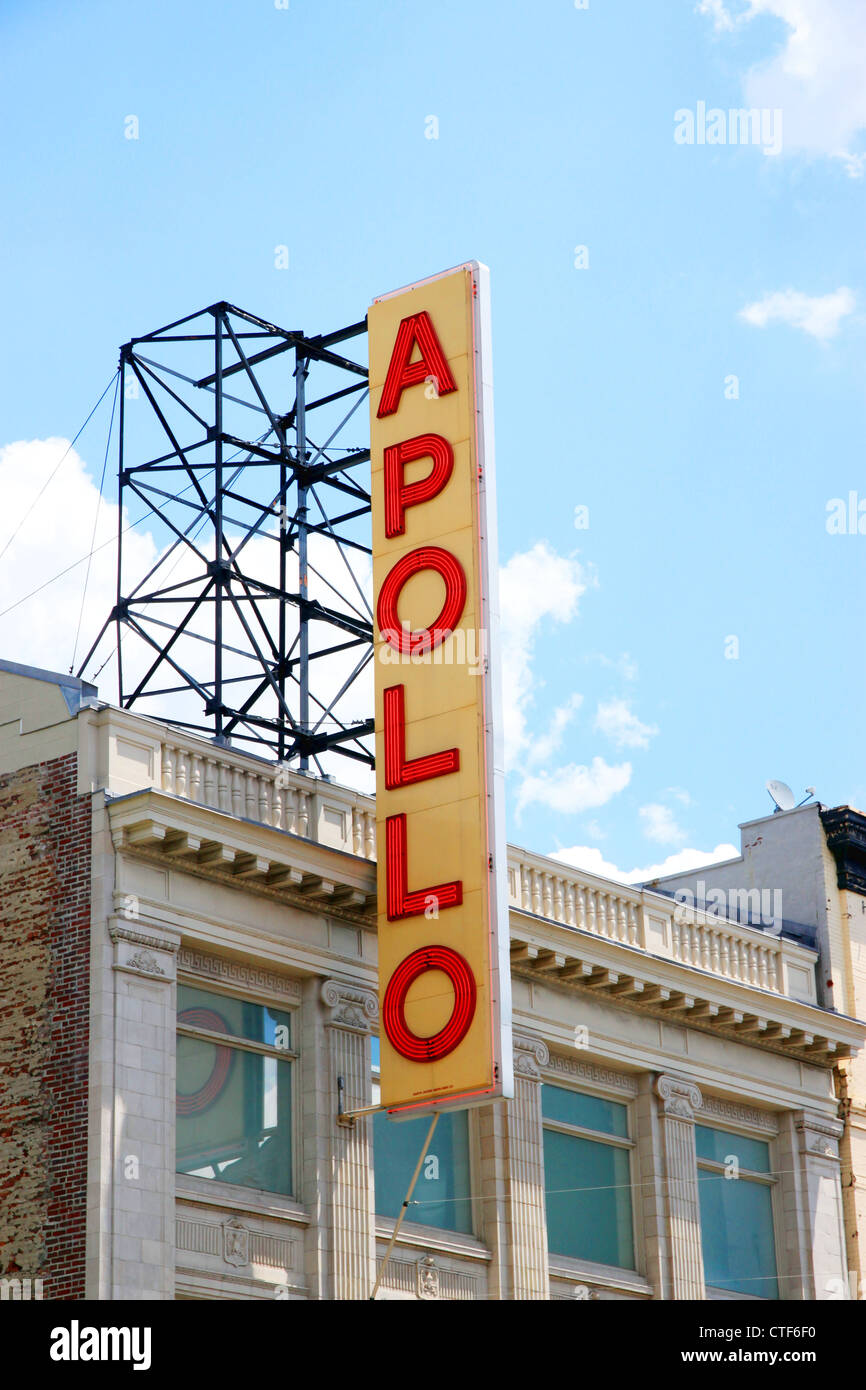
(253,623)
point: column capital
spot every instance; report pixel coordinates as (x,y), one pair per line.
(818,1134)
(530,1055)
(350,1006)
(681,1098)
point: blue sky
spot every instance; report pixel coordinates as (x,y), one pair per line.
(633,736)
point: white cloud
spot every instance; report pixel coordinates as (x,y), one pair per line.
(41,631)
(817,315)
(614,719)
(815,77)
(592,861)
(574,788)
(545,745)
(660,824)
(57,534)
(680,794)
(625,667)
(723,20)
(534,585)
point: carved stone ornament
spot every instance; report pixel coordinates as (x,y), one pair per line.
(428,1278)
(145,961)
(530,1055)
(681,1098)
(351,1007)
(236,1243)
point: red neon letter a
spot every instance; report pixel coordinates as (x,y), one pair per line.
(402,903)
(417,329)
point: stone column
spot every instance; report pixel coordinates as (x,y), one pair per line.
(349,1011)
(526,1217)
(134,1073)
(680,1099)
(818,1211)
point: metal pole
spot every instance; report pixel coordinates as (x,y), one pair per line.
(405,1207)
(303,635)
(218,525)
(281,643)
(120,525)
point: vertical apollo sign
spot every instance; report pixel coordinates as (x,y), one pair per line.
(444,980)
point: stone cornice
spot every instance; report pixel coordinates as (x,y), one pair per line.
(198,840)
(566,958)
(845,830)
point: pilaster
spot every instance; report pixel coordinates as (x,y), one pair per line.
(526,1215)
(349,1011)
(679,1101)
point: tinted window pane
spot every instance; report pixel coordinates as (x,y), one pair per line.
(737,1235)
(442,1192)
(588,1200)
(198,1008)
(717,1144)
(590,1112)
(234,1116)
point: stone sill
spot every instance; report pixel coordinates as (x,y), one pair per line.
(205,1192)
(431,1238)
(604,1276)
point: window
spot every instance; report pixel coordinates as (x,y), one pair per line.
(736,1213)
(587,1177)
(443,1192)
(234,1097)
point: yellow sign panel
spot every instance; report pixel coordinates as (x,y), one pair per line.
(443,932)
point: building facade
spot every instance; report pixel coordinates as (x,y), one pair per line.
(811,861)
(189,1019)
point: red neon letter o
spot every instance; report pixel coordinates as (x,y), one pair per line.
(426,557)
(397,1031)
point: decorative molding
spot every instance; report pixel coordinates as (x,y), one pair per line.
(233,972)
(235,1243)
(681,1098)
(142,953)
(412,1276)
(589,1071)
(715,1108)
(351,1007)
(145,962)
(530,1055)
(428,1278)
(140,938)
(820,1133)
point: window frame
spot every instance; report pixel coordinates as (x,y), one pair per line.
(560,1264)
(418,1228)
(291,1055)
(769,1179)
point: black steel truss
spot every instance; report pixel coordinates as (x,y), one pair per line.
(269,662)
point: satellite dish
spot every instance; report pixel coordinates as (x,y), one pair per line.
(782,795)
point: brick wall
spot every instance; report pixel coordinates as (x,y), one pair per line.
(45,872)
